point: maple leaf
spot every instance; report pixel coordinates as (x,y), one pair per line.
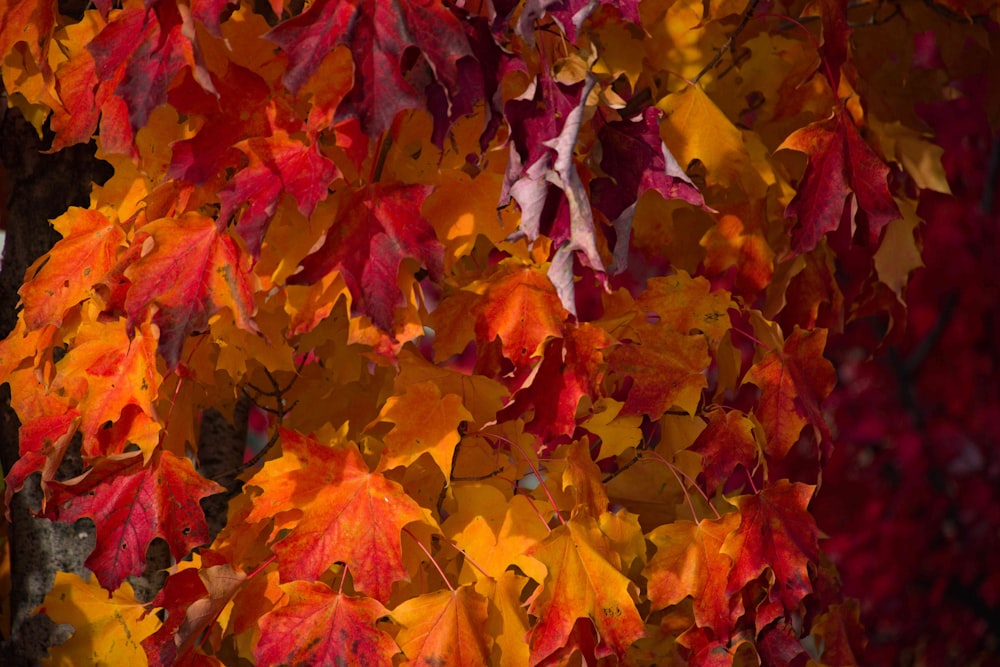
(278,164)
(317,626)
(193,598)
(114,379)
(65,275)
(689,561)
(192,272)
(686,305)
(444,628)
(666,369)
(107,626)
(582,581)
(378,33)
(139,54)
(436,433)
(725,443)
(375,230)
(777,532)
(349,515)
(694,128)
(572,367)
(843,173)
(131,503)
(492,529)
(520,306)
(544,137)
(42,444)
(635,160)
(569,14)
(793,381)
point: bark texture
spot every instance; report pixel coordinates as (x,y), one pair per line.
(35,187)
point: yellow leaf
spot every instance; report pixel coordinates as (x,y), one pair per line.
(899,255)
(107,631)
(444,628)
(617,434)
(425,422)
(696,129)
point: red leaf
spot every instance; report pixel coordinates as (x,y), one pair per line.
(277,164)
(378,33)
(793,383)
(571,368)
(666,369)
(320,627)
(725,443)
(376,229)
(143,50)
(350,515)
(191,273)
(635,159)
(132,504)
(777,532)
(544,131)
(842,170)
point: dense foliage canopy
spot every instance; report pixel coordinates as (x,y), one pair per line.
(526,308)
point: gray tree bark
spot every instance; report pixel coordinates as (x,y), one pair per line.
(38,187)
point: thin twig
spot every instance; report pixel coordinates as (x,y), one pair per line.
(728,46)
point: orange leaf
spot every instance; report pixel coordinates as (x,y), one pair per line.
(434,433)
(689,562)
(192,272)
(583,581)
(521,307)
(349,514)
(320,627)
(444,628)
(65,275)
(107,372)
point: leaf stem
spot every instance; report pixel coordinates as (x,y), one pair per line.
(429,556)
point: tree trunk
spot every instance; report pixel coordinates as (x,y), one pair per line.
(34,188)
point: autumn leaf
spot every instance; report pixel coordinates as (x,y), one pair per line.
(694,128)
(193,599)
(277,164)
(444,628)
(319,626)
(776,531)
(635,160)
(376,229)
(113,379)
(727,442)
(349,515)
(582,581)
(131,503)
(541,166)
(665,369)
(521,307)
(689,561)
(571,369)
(107,627)
(435,433)
(793,381)
(140,53)
(844,177)
(192,271)
(64,277)
(378,34)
